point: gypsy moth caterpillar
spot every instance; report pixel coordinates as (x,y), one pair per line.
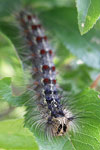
(34,116)
(47,107)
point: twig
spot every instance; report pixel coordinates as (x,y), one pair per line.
(95,83)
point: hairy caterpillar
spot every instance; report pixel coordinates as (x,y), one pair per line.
(49,112)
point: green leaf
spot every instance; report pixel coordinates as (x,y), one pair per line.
(63,22)
(78,78)
(13,136)
(62,55)
(12,32)
(10,64)
(88,14)
(8,7)
(48,4)
(7,95)
(87,134)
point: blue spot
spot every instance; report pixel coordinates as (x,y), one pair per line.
(55,114)
(61,112)
(49,99)
(48,91)
(57,100)
(49,107)
(55,92)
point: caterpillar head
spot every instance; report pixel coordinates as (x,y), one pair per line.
(61,124)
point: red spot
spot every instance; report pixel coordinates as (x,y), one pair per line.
(34,27)
(50,52)
(45,67)
(53,68)
(46,81)
(42,52)
(39,39)
(39,25)
(54,81)
(45,38)
(29,17)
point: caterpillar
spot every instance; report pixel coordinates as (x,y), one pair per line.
(49,110)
